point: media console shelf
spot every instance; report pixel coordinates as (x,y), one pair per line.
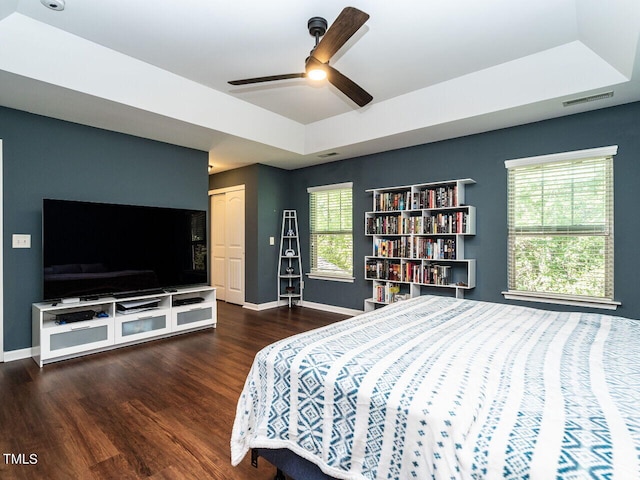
(60,331)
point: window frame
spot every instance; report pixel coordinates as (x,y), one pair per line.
(604,302)
(326,275)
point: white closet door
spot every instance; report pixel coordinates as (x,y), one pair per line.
(228,244)
(235,247)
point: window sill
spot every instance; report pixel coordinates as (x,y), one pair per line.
(589,302)
(318,276)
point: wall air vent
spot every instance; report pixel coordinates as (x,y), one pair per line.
(327,155)
(591,98)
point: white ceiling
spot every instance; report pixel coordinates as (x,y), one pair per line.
(159,69)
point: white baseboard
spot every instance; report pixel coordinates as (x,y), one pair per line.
(13,355)
(316,306)
(331,308)
(258,307)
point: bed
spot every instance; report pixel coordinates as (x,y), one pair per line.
(444,388)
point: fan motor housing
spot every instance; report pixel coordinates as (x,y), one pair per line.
(317,26)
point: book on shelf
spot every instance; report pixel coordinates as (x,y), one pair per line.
(391,248)
(386,293)
(370,226)
(394,272)
(415,247)
(371,268)
(455,222)
(384,225)
(438,223)
(392,201)
(412,272)
(436,274)
(380,269)
(439,197)
(433,248)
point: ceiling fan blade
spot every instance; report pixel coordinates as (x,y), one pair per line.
(348,22)
(348,87)
(272,78)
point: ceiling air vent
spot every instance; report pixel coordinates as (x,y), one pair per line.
(327,155)
(57,5)
(592,98)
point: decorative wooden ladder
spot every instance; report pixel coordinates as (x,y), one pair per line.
(290,281)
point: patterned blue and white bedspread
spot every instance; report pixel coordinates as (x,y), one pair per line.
(441,388)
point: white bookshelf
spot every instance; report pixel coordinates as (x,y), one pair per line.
(418,236)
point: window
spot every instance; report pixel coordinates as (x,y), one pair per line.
(560,228)
(331,227)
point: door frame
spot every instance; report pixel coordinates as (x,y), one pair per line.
(219,191)
(1,259)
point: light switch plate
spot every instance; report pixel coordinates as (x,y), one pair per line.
(272,241)
(20,240)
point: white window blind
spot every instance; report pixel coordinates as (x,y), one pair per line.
(331,229)
(560,226)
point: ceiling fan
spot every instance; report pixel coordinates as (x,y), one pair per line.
(317,64)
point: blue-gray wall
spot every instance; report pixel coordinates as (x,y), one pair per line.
(480,157)
(47,158)
(50,158)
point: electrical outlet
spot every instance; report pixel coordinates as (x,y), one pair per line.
(19,240)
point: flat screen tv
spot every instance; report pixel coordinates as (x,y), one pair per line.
(99,249)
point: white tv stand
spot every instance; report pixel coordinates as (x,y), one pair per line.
(53,341)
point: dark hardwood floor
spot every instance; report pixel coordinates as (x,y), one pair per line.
(160,410)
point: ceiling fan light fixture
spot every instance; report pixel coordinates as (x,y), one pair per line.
(316,66)
(317,74)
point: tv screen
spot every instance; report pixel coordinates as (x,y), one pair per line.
(96,249)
